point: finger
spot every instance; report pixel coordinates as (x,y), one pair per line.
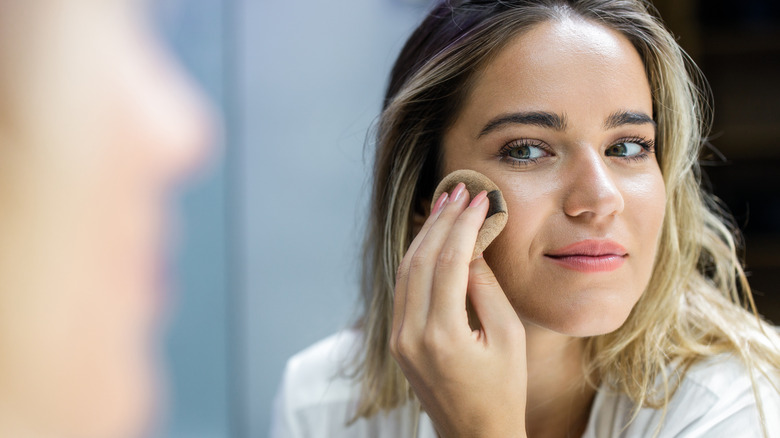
(423,262)
(448,300)
(498,318)
(435,212)
(399,295)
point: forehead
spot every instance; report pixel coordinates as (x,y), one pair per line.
(567,66)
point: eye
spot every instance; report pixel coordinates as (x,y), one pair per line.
(524,151)
(630,148)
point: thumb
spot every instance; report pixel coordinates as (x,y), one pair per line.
(492,307)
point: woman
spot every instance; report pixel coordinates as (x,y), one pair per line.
(610,303)
(97,124)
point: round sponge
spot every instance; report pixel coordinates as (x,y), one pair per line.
(476,182)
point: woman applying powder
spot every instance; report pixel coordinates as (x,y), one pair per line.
(609,305)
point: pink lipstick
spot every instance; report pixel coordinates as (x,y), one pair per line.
(590,256)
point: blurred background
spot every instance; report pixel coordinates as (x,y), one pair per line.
(737,46)
(269,261)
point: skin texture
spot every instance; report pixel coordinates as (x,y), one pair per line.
(589,181)
(98,126)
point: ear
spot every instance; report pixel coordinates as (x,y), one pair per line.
(422,210)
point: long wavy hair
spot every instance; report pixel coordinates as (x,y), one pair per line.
(698,302)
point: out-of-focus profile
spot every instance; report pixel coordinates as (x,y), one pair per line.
(97,126)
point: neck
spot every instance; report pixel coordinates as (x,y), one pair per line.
(559,399)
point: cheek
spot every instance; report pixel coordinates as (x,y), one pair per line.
(645,208)
(87,217)
(530,204)
(564,301)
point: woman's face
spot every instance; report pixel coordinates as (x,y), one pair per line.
(561,120)
(96,126)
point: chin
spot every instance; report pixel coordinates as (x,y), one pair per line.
(127,413)
(123,400)
(588,327)
(577,319)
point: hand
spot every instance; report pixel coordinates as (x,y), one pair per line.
(472,383)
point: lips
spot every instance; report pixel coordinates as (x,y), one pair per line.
(590,256)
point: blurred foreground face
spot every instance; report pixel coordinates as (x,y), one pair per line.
(96,126)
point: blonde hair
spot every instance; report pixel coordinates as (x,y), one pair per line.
(698,302)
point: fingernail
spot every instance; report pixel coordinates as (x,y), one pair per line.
(478,199)
(439,202)
(458,192)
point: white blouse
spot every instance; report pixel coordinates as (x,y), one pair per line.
(715,400)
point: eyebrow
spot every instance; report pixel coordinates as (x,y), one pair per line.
(620,118)
(536,118)
(559,123)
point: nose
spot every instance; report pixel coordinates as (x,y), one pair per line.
(188,126)
(592,191)
(173,119)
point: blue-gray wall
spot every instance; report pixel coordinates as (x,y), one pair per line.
(313,74)
(198,341)
(269,262)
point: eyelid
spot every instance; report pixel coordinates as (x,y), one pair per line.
(648,144)
(503,153)
(525,142)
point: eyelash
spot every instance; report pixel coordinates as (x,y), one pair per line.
(503,154)
(647,145)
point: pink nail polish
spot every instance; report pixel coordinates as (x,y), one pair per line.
(439,202)
(478,199)
(458,192)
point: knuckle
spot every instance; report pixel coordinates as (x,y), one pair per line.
(418,260)
(469,219)
(400,274)
(448,258)
(403,348)
(482,278)
(433,347)
(466,219)
(435,341)
(394,349)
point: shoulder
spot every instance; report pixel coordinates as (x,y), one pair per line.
(318,395)
(735,399)
(716,398)
(318,373)
(315,393)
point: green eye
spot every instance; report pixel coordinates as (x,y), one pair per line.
(526,152)
(625,149)
(523,152)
